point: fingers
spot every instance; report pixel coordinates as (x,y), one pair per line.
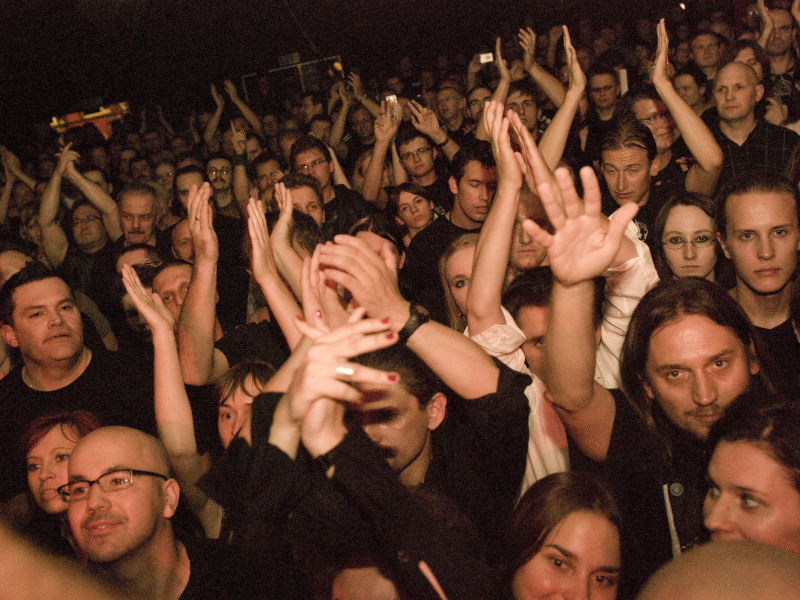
(537,233)
(592,199)
(551,206)
(622,216)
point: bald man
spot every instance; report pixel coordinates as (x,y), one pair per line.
(121,498)
(748,143)
(734,570)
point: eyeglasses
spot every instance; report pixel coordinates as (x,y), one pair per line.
(222,171)
(86,221)
(419,151)
(655,118)
(678,243)
(308,167)
(112,481)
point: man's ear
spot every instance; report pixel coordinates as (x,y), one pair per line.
(724,247)
(453,184)
(172,492)
(759,92)
(398,220)
(654,168)
(436,409)
(9,336)
(647,388)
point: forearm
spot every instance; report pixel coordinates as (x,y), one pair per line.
(399,172)
(339,178)
(372,106)
(373,176)
(570,346)
(491,257)
(5,198)
(25,178)
(283,307)
(550,85)
(554,138)
(213,124)
(51,198)
(241,188)
(196,326)
(250,117)
(337,129)
(289,263)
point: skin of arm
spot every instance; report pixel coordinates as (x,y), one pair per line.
(337,129)
(5,195)
(280,300)
(767,24)
(213,122)
(173,412)
(703,176)
(201,363)
(554,139)
(398,171)
(494,244)
(289,263)
(16,167)
(549,84)
(241,182)
(500,92)
(161,119)
(358,93)
(246,111)
(582,247)
(386,126)
(99,199)
(339,178)
(372,279)
(54,240)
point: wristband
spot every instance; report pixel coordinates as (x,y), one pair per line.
(239,159)
(417,316)
(443,144)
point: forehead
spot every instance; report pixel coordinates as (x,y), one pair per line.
(186,180)
(137,202)
(602,80)
(448,94)
(181,230)
(55,438)
(477,171)
(172,276)
(219,163)
(267,167)
(757,208)
(625,157)
(163,168)
(305,195)
(308,156)
(704,40)
(745,54)
(685,79)
(85,210)
(413,144)
(480,93)
(690,336)
(646,106)
(737,72)
(460,262)
(395,398)
(688,218)
(35,293)
(408,198)
(781,17)
(103,450)
(519,96)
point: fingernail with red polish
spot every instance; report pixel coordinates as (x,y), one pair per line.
(391,336)
(386,321)
(392,377)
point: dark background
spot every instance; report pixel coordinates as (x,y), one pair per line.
(59,57)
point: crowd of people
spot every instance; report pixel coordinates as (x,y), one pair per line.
(521,327)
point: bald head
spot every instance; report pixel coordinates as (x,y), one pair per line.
(734,570)
(736,92)
(737,69)
(120,447)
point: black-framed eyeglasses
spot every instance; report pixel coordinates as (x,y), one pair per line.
(112,481)
(421,151)
(307,168)
(221,170)
(656,117)
(85,221)
(678,243)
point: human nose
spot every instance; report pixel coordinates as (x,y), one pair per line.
(689,251)
(46,472)
(718,516)
(765,248)
(704,391)
(96,498)
(622,182)
(56,318)
(578,588)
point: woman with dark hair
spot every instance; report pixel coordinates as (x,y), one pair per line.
(685,238)
(410,209)
(47,443)
(565,536)
(754,474)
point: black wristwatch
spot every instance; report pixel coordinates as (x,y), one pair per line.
(417,316)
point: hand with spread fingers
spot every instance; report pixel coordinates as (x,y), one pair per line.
(201,216)
(149,304)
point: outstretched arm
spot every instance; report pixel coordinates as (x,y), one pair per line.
(173,412)
(54,240)
(426,121)
(213,122)
(337,128)
(703,176)
(354,79)
(386,126)
(372,280)
(549,84)
(99,199)
(767,24)
(494,245)
(583,246)
(246,111)
(289,263)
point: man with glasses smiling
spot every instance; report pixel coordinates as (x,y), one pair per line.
(120,515)
(343,207)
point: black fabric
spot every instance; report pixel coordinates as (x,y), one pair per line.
(343,211)
(262,341)
(76,269)
(420,274)
(768,147)
(439,193)
(782,348)
(210,575)
(117,390)
(635,469)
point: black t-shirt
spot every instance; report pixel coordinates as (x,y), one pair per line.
(782,348)
(211,572)
(439,193)
(117,390)
(341,213)
(420,274)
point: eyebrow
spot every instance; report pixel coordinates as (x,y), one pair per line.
(671,231)
(671,367)
(572,556)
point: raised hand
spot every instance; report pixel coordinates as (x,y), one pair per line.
(527,39)
(66,160)
(218,99)
(149,304)
(502,66)
(577,78)
(322,304)
(238,139)
(355,84)
(534,167)
(201,216)
(584,243)
(661,61)
(509,171)
(425,121)
(326,380)
(231,90)
(387,123)
(261,259)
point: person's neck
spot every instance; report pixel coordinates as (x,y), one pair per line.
(765,310)
(664,158)
(161,572)
(458,218)
(425,180)
(49,377)
(710,72)
(781,63)
(738,130)
(93,247)
(414,474)
(328,193)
